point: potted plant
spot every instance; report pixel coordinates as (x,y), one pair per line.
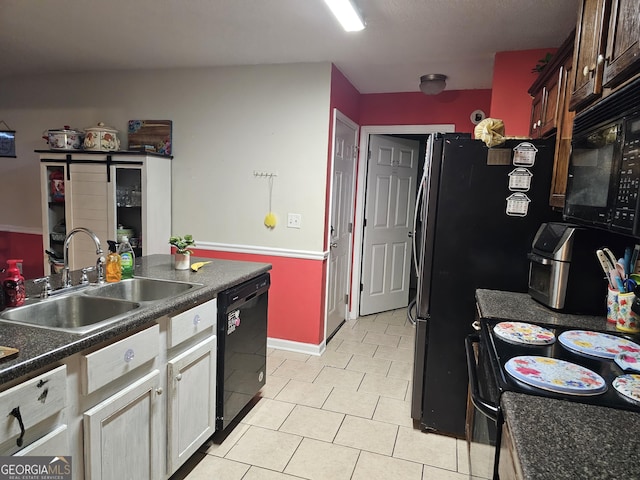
(183,252)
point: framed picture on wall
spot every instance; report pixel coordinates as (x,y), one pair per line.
(7,142)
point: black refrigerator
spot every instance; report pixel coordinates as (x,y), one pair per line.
(478,214)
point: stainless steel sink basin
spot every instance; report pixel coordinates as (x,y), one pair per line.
(141,289)
(72,313)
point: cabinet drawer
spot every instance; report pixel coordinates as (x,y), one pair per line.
(53,444)
(105,365)
(36,399)
(195,320)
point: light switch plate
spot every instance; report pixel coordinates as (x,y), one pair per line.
(294,220)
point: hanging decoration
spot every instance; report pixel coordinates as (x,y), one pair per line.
(7,141)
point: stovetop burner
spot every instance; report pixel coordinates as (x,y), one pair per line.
(501,351)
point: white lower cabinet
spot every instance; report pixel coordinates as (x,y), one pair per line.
(191,397)
(121,433)
(135,408)
(53,444)
(31,410)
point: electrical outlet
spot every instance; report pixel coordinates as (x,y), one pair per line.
(294,220)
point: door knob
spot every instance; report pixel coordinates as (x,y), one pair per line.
(333,244)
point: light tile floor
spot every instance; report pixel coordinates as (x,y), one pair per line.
(342,415)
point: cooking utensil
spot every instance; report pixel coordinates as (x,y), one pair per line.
(630,285)
(628,269)
(634,258)
(606,267)
(614,275)
(610,256)
(622,271)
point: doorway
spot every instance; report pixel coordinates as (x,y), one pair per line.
(366,133)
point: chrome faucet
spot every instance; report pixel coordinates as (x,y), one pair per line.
(66,274)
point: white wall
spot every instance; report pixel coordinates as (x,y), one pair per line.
(227,122)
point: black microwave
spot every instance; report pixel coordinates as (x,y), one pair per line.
(603,186)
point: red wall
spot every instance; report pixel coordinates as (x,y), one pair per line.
(416,108)
(344,96)
(296,296)
(512,77)
(25,246)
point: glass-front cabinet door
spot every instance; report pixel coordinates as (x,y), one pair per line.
(129,208)
(54,217)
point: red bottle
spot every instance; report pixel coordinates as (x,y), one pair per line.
(13,285)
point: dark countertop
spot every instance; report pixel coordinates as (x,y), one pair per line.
(497,304)
(558,439)
(40,347)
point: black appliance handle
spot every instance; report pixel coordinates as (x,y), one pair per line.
(486,407)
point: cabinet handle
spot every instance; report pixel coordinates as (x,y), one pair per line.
(539,122)
(179,377)
(600,59)
(196,320)
(129,355)
(159,391)
(585,71)
(16,413)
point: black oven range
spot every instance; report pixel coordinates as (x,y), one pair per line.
(489,358)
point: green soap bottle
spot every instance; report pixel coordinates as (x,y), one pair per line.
(127,257)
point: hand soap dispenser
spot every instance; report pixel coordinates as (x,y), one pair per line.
(13,285)
(113,269)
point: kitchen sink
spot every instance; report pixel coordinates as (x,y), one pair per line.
(71,313)
(141,289)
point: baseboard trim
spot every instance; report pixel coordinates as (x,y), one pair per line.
(298,347)
(257,250)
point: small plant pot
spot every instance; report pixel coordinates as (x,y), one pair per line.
(182,261)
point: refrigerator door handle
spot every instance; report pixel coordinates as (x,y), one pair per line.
(415,222)
(422,192)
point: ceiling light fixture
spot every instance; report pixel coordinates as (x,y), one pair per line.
(433,83)
(347,14)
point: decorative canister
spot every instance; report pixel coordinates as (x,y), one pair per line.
(64,138)
(101,138)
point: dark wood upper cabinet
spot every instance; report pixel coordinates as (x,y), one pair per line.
(548,92)
(550,114)
(588,56)
(622,59)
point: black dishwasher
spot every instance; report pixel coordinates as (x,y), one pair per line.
(242,346)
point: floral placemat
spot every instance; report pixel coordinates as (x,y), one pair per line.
(628,361)
(527,333)
(597,344)
(555,375)
(628,385)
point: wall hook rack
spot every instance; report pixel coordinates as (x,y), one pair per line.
(264,174)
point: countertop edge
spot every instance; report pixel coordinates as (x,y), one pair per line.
(46,347)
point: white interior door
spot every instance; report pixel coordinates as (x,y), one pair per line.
(342,202)
(389,207)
